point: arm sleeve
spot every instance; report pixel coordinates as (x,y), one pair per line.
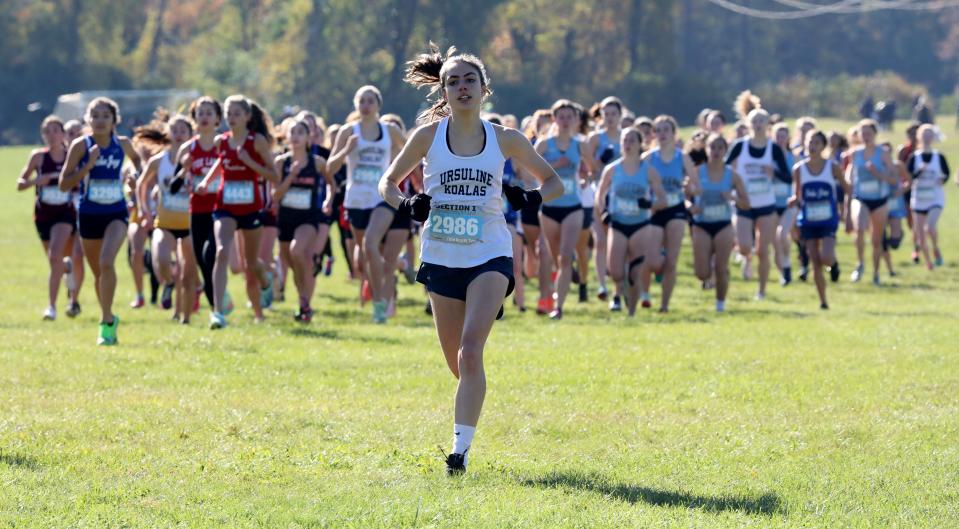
(779,160)
(734,152)
(911,166)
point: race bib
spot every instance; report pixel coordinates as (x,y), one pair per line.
(104,191)
(626,206)
(925,193)
(673,198)
(455,226)
(757,186)
(869,188)
(716,213)
(177,203)
(367,174)
(569,186)
(238,193)
(818,211)
(297,198)
(782,189)
(53,196)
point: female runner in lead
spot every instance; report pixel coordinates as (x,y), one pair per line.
(97,161)
(467,248)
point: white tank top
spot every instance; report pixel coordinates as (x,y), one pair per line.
(466,226)
(927,189)
(759,184)
(364,168)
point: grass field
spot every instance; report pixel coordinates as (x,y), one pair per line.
(775,414)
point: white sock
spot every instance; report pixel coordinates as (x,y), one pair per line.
(462,439)
(644,296)
(720,305)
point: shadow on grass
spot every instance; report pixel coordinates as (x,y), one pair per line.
(332,334)
(18,461)
(766,504)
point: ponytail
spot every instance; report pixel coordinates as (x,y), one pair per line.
(745,103)
(260,123)
(426,70)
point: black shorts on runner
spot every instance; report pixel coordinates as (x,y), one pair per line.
(818,232)
(453,282)
(93,226)
(291,219)
(756,213)
(45,226)
(250,221)
(661,218)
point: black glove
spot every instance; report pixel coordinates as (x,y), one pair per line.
(607,155)
(644,203)
(418,206)
(519,199)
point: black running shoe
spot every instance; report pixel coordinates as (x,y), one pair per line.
(787,276)
(803,273)
(834,273)
(455,464)
(823,306)
(166,300)
(615,305)
(583,293)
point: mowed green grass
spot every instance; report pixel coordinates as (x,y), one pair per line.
(775,414)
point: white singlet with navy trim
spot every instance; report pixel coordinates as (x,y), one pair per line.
(466,226)
(365,165)
(759,183)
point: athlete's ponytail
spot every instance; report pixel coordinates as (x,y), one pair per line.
(260,122)
(745,103)
(427,69)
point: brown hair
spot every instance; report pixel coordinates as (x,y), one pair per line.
(205,100)
(746,102)
(428,69)
(716,136)
(52,118)
(531,129)
(560,104)
(260,122)
(868,123)
(664,118)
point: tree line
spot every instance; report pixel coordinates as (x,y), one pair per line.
(674,56)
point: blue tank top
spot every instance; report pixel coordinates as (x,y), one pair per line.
(625,190)
(784,190)
(671,174)
(713,206)
(867,186)
(605,142)
(569,174)
(103,186)
(509,178)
